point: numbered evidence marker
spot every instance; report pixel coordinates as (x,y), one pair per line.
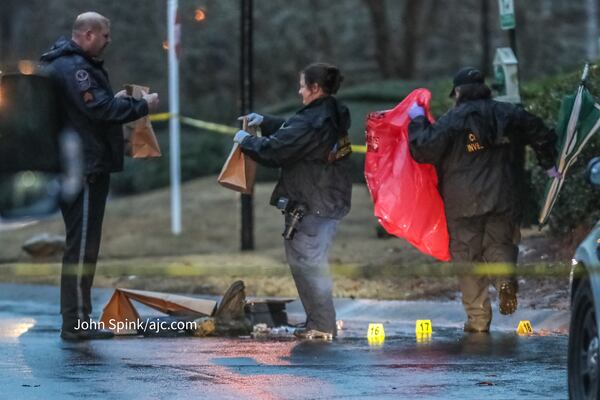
(423,339)
(375,343)
(376,333)
(423,327)
(524,328)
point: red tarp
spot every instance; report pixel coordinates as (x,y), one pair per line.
(405,195)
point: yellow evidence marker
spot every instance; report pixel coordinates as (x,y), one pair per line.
(375,343)
(423,327)
(524,328)
(376,333)
(424,338)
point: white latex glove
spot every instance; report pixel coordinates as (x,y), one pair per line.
(152,100)
(240,136)
(254,119)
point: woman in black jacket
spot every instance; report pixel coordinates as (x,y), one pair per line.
(311,148)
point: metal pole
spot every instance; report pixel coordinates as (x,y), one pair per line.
(485,38)
(246,83)
(174,32)
(512,37)
(591,27)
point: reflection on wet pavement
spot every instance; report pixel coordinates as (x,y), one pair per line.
(35,363)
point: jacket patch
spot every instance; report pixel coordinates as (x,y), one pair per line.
(473,144)
(87,97)
(83,79)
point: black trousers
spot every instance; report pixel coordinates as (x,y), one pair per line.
(83,224)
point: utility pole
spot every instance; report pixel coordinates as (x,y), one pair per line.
(246,106)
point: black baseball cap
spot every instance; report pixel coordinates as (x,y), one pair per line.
(466,76)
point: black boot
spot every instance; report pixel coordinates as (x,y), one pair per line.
(86,334)
(87,330)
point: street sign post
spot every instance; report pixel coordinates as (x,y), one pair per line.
(507,14)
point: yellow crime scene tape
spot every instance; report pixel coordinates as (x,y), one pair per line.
(220,128)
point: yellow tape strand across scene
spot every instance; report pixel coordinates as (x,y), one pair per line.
(160,117)
(357,148)
(219,128)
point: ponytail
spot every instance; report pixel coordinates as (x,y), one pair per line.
(327,76)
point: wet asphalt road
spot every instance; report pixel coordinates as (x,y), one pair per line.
(36,364)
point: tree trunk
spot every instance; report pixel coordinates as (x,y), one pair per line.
(321,39)
(6,29)
(13,21)
(485,66)
(384,54)
(410,38)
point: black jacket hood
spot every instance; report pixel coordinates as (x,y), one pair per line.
(335,108)
(64,47)
(342,112)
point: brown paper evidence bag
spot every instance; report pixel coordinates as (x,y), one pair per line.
(239,170)
(140,140)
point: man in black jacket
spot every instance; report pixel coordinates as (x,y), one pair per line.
(92,110)
(478,147)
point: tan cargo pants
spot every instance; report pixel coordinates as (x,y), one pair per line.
(487,249)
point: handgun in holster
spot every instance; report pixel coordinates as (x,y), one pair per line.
(294,212)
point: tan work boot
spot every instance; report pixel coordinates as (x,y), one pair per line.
(471,329)
(312,334)
(507,297)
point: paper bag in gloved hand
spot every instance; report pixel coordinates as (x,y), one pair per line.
(239,171)
(140,140)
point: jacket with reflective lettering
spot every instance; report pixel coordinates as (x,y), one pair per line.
(478,150)
(89,105)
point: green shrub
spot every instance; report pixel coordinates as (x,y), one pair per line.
(577,205)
